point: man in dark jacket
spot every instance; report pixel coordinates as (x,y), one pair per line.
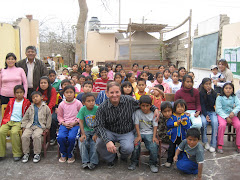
(34,69)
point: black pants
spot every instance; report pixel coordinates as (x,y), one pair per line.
(30,90)
(54,126)
(172,149)
(4,99)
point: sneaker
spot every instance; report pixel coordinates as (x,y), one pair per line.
(220,151)
(154,168)
(207,146)
(16,158)
(212,149)
(25,158)
(167,164)
(132,166)
(62,159)
(91,165)
(52,142)
(110,164)
(36,158)
(84,165)
(71,160)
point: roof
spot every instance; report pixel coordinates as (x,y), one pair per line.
(146,27)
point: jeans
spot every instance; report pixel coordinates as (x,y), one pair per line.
(196,121)
(214,123)
(186,165)
(152,147)
(88,149)
(67,140)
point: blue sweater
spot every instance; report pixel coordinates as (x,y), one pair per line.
(174,128)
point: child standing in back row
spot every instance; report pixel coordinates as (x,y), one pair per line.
(87,141)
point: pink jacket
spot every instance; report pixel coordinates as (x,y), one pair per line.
(165,85)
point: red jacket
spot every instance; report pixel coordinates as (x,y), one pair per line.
(9,109)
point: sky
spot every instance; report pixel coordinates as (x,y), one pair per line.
(54,13)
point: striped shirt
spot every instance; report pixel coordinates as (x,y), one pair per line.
(116,119)
(101,84)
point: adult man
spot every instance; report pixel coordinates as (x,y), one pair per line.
(114,124)
(34,69)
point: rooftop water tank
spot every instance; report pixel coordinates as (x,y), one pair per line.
(94,24)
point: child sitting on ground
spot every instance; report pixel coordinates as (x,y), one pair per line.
(190,154)
(87,88)
(157,95)
(11,120)
(36,121)
(177,126)
(146,128)
(69,124)
(141,85)
(56,83)
(87,141)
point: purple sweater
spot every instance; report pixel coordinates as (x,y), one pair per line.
(193,102)
(68,111)
(11,77)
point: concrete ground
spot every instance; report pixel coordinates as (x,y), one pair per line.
(217,166)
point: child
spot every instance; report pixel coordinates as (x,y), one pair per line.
(11,120)
(191,96)
(166,76)
(123,73)
(131,78)
(208,116)
(182,72)
(146,128)
(195,82)
(159,80)
(166,112)
(177,126)
(56,83)
(175,85)
(74,70)
(135,71)
(87,88)
(161,68)
(60,95)
(215,75)
(101,83)
(64,75)
(110,72)
(88,70)
(49,94)
(157,95)
(36,121)
(141,85)
(118,77)
(81,67)
(74,85)
(67,112)
(150,75)
(81,79)
(127,89)
(172,68)
(90,78)
(118,68)
(190,154)
(227,108)
(75,79)
(144,75)
(87,141)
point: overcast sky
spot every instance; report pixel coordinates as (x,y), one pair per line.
(171,12)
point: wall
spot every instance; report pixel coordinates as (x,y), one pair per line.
(100,47)
(9,42)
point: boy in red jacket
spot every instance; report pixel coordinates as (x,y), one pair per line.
(12,118)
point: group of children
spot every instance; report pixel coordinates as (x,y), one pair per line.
(56,104)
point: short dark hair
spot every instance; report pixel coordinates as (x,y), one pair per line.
(36,92)
(32,48)
(145,99)
(161,66)
(222,92)
(166,104)
(82,76)
(75,74)
(87,82)
(69,87)
(74,64)
(85,95)
(65,81)
(18,87)
(181,102)
(141,79)
(145,66)
(51,71)
(88,78)
(82,61)
(64,69)
(159,86)
(113,83)
(103,69)
(193,132)
(172,65)
(135,64)
(175,72)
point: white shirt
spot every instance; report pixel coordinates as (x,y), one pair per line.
(30,67)
(175,87)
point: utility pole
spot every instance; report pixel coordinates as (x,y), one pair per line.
(189,41)
(119,12)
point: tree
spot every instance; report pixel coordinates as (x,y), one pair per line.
(80,35)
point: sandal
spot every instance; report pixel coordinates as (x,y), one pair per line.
(62,159)
(71,160)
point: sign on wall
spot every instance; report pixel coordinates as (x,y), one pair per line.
(232,56)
